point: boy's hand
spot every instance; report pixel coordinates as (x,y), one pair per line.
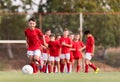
(63,43)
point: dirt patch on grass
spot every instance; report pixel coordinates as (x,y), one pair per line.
(105,67)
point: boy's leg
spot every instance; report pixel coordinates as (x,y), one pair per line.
(57,59)
(68,61)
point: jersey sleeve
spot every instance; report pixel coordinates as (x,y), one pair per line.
(58,44)
(59,41)
(40,32)
(82,44)
(92,40)
(69,41)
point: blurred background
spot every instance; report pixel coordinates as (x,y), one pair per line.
(101,17)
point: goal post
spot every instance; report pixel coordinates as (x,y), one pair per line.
(12,41)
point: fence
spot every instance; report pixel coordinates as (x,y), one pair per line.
(104,26)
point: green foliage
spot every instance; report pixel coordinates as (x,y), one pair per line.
(58,22)
(105,28)
(113,59)
(80,6)
(12,27)
(114,4)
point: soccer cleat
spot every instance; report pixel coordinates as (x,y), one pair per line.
(97,70)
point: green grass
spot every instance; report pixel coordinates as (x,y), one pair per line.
(15,76)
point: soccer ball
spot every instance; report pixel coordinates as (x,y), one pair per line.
(27,69)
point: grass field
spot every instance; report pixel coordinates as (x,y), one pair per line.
(17,76)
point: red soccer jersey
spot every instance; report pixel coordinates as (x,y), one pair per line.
(54,48)
(65,49)
(89,44)
(47,39)
(33,38)
(77,46)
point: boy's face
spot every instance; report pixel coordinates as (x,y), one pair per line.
(48,32)
(52,38)
(77,37)
(71,37)
(58,37)
(32,23)
(66,33)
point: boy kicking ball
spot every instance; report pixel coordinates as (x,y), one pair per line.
(33,42)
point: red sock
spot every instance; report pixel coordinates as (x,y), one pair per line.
(78,68)
(68,67)
(86,68)
(38,65)
(44,68)
(62,68)
(93,66)
(49,68)
(39,62)
(34,67)
(54,69)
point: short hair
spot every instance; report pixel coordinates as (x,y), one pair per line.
(66,29)
(77,34)
(32,19)
(58,34)
(52,35)
(47,29)
(87,32)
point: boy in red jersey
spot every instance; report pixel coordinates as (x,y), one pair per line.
(54,48)
(78,46)
(66,44)
(45,52)
(90,46)
(33,39)
(57,37)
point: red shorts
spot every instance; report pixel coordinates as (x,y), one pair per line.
(71,57)
(77,56)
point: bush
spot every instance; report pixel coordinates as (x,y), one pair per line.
(113,57)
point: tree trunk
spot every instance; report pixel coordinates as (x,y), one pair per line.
(10,54)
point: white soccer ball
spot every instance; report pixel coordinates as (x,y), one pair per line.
(27,69)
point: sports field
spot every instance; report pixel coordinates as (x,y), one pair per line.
(16,76)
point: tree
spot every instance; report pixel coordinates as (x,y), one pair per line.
(14,29)
(105,21)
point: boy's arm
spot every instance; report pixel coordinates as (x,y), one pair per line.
(82,48)
(44,42)
(26,43)
(65,44)
(93,50)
